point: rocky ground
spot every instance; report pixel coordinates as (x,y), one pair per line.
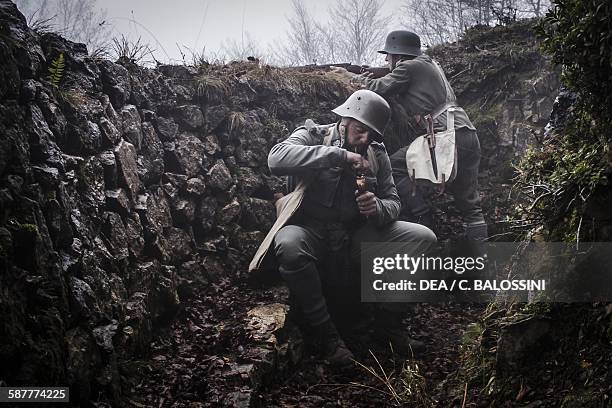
(209,357)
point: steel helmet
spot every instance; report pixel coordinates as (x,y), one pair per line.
(402,42)
(368,108)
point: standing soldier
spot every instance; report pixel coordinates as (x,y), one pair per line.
(327,210)
(419,85)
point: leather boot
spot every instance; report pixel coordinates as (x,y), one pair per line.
(327,342)
(389,328)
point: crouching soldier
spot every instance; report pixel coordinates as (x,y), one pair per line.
(329,164)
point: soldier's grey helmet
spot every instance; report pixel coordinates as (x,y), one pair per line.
(368,108)
(402,42)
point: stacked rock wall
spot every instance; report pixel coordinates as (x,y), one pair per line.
(122,189)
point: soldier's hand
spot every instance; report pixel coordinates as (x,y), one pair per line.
(342,72)
(368,74)
(366,203)
(361,79)
(357,161)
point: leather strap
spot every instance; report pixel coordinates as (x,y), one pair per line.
(450,101)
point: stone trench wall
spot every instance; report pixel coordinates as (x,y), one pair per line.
(123,188)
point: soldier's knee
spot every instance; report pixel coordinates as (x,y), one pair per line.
(418,233)
(290,248)
(427,235)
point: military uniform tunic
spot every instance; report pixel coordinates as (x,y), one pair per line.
(421,88)
(330,198)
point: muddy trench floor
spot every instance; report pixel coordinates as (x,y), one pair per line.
(190,363)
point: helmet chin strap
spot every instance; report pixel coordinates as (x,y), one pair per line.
(342,130)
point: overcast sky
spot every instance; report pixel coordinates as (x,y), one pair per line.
(207,23)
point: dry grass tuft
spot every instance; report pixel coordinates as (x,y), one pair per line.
(212,88)
(404,388)
(237,120)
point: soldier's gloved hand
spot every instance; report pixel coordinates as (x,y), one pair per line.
(357,161)
(361,79)
(342,72)
(366,203)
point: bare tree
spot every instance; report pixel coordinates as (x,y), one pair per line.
(303,36)
(330,46)
(82,21)
(79,21)
(308,41)
(360,29)
(353,33)
(438,21)
(435,21)
(535,8)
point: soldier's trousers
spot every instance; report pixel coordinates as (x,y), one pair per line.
(464,188)
(299,247)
